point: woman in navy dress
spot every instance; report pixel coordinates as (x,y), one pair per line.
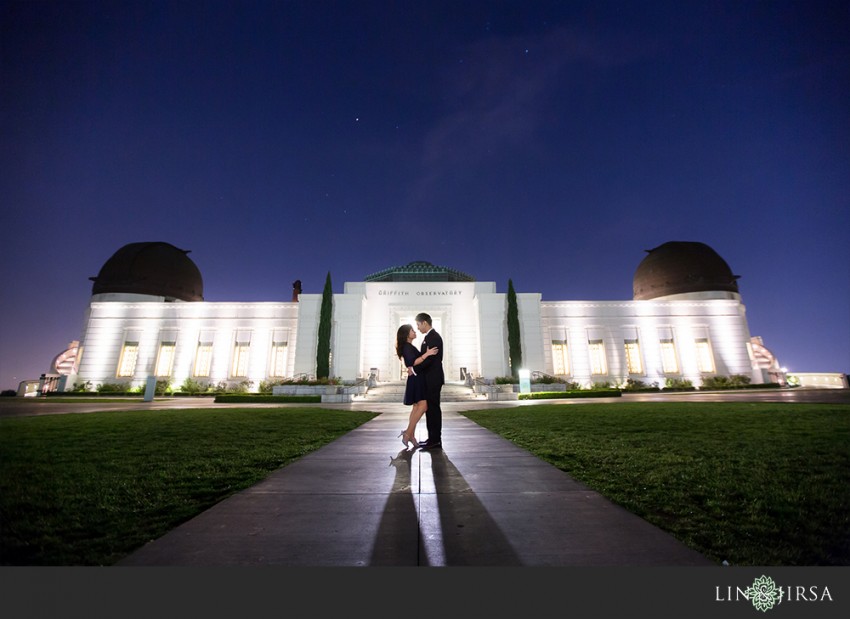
(414,393)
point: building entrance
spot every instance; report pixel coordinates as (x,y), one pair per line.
(436,324)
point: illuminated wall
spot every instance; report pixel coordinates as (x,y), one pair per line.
(705,337)
(375,311)
(113,326)
(127,338)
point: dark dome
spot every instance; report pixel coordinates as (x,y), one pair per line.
(679,267)
(157,269)
(419,271)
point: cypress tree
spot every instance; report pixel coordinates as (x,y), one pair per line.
(514,346)
(323,347)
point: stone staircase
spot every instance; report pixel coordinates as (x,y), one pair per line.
(394,392)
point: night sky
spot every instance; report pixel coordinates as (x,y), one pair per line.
(551,143)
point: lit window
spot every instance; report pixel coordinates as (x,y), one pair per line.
(669,362)
(633,362)
(203,359)
(129,355)
(598,363)
(278,364)
(560,358)
(165,359)
(240,360)
(705,360)
(241,350)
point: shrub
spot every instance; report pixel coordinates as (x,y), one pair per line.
(725,382)
(8,393)
(639,385)
(582,393)
(112,388)
(678,383)
(190,385)
(241,387)
(633,385)
(82,387)
(505,380)
(546,379)
(202,394)
(266,386)
(303,379)
(162,387)
(219,387)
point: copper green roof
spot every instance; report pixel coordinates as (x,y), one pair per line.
(419,271)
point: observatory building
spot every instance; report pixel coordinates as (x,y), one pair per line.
(148,317)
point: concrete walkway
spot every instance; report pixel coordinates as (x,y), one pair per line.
(363,501)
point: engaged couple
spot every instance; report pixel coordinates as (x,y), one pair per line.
(425,380)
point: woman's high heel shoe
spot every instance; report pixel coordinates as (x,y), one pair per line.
(408,439)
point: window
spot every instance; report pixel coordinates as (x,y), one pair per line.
(560,358)
(241,348)
(165,359)
(278,364)
(705,359)
(240,360)
(203,359)
(129,356)
(633,362)
(598,363)
(669,362)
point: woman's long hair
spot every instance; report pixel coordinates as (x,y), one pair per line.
(401,338)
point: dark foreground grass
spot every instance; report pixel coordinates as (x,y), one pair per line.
(751,484)
(89,489)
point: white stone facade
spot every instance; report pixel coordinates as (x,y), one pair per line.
(686,336)
(686,323)
(150,322)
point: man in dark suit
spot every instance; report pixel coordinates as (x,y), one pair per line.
(432,368)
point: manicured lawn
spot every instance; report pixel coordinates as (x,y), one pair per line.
(751,484)
(89,489)
(748,483)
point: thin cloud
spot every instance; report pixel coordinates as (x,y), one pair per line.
(496,94)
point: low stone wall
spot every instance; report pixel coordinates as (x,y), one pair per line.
(497,392)
(304,389)
(511,391)
(828,380)
(535,387)
(329,393)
